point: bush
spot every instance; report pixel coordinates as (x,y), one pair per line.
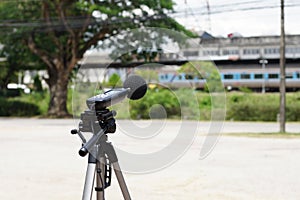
(10,93)
(252,107)
(140,109)
(261,107)
(293,107)
(40,99)
(293,112)
(246,111)
(240,106)
(189,103)
(114,81)
(17,108)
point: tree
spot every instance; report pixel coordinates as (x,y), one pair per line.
(148,73)
(59,32)
(17,59)
(114,80)
(206,70)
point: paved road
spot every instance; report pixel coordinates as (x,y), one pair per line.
(39,160)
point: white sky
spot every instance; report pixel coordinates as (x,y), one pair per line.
(266,21)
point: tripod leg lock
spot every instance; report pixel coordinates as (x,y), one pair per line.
(111,153)
(106,181)
(99,189)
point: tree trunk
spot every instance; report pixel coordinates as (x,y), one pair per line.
(58,86)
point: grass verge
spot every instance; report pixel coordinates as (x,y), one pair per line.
(265,135)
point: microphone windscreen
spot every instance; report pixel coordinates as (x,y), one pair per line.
(137,85)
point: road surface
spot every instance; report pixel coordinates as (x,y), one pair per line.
(39,160)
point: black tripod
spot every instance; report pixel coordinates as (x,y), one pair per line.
(102,156)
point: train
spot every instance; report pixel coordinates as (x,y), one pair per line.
(234,80)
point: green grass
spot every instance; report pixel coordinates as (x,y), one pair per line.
(239,106)
(265,135)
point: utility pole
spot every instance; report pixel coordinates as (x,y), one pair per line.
(282,71)
(208,15)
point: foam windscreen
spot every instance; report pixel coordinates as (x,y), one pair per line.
(137,85)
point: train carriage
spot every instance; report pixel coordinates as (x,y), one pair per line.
(251,79)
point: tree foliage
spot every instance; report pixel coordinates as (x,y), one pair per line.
(56,33)
(206,70)
(114,80)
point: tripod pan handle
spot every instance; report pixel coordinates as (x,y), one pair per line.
(83,152)
(90,144)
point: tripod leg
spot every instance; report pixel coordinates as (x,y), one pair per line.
(121,181)
(112,156)
(89,179)
(101,164)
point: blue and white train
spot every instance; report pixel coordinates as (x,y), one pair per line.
(234,80)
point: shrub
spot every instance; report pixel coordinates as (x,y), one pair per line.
(10,93)
(17,108)
(114,80)
(293,112)
(40,99)
(140,109)
(240,106)
(252,107)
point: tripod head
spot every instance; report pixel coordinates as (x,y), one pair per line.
(98,119)
(93,121)
(99,123)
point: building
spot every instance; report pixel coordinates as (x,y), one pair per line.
(241,48)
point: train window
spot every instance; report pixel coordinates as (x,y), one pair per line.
(289,76)
(258,76)
(271,51)
(297,75)
(210,52)
(162,76)
(189,77)
(251,51)
(166,76)
(191,53)
(228,76)
(273,76)
(290,50)
(230,52)
(179,77)
(245,76)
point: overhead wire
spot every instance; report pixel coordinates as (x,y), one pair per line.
(259,7)
(240,6)
(192,14)
(78,20)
